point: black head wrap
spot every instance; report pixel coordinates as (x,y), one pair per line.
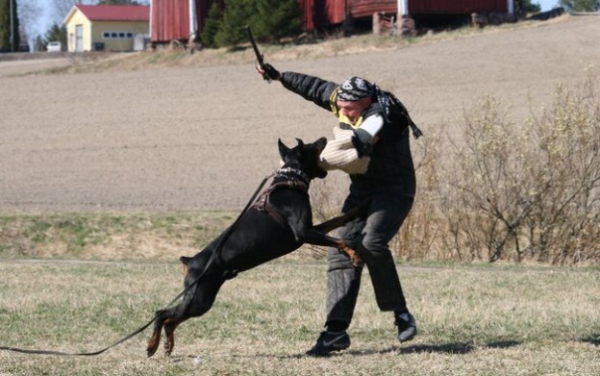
(355,88)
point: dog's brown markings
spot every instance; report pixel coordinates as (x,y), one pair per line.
(356,260)
(184,263)
(337,222)
(170,326)
(153,343)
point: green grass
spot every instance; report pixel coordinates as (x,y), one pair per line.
(123,236)
(515,320)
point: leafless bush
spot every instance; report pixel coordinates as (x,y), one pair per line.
(424,225)
(526,191)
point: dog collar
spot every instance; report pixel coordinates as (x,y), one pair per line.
(299,173)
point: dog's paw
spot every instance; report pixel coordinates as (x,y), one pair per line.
(356,260)
(354,257)
(152,346)
(168,347)
(151,350)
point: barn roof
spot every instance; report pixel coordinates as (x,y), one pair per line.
(111,12)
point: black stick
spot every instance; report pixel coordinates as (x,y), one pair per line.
(259,56)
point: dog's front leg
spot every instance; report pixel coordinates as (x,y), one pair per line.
(315,237)
(338,221)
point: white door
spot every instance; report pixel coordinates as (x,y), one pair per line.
(78,38)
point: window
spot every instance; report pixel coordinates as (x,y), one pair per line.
(116,34)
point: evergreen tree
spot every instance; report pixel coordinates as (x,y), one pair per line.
(55,33)
(525,6)
(211,26)
(275,19)
(581,5)
(236,16)
(5,25)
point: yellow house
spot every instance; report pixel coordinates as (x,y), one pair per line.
(107,27)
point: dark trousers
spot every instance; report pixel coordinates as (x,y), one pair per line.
(369,235)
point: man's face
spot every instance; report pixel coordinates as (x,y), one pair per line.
(353,110)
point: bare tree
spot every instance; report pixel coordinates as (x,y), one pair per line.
(62,8)
(30,12)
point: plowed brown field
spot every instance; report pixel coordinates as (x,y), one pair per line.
(195,138)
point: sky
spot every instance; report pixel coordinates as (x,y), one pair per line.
(546,4)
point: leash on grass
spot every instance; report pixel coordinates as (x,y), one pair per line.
(142,328)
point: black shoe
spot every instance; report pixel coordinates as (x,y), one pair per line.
(328,342)
(407,327)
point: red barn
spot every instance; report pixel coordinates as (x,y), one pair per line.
(422,7)
(183,20)
(322,13)
(180,20)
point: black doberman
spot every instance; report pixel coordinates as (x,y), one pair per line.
(278,223)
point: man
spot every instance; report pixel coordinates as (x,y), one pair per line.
(380,125)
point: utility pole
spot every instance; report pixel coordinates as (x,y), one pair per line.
(12,25)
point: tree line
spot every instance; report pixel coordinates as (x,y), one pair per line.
(270,20)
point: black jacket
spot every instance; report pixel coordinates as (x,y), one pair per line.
(391,166)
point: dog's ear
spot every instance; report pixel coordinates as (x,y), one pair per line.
(321,143)
(283,150)
(300,149)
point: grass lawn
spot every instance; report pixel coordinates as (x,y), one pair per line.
(472,320)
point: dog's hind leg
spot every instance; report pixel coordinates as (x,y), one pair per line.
(192,306)
(162,318)
(170,325)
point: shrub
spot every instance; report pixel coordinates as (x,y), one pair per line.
(522,191)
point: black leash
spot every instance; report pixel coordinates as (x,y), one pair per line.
(141,329)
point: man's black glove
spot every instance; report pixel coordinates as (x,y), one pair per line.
(361,140)
(268,72)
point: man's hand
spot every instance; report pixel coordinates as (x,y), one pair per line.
(361,140)
(268,72)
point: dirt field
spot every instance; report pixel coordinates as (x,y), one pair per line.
(203,138)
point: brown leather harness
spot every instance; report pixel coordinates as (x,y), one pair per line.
(263,202)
